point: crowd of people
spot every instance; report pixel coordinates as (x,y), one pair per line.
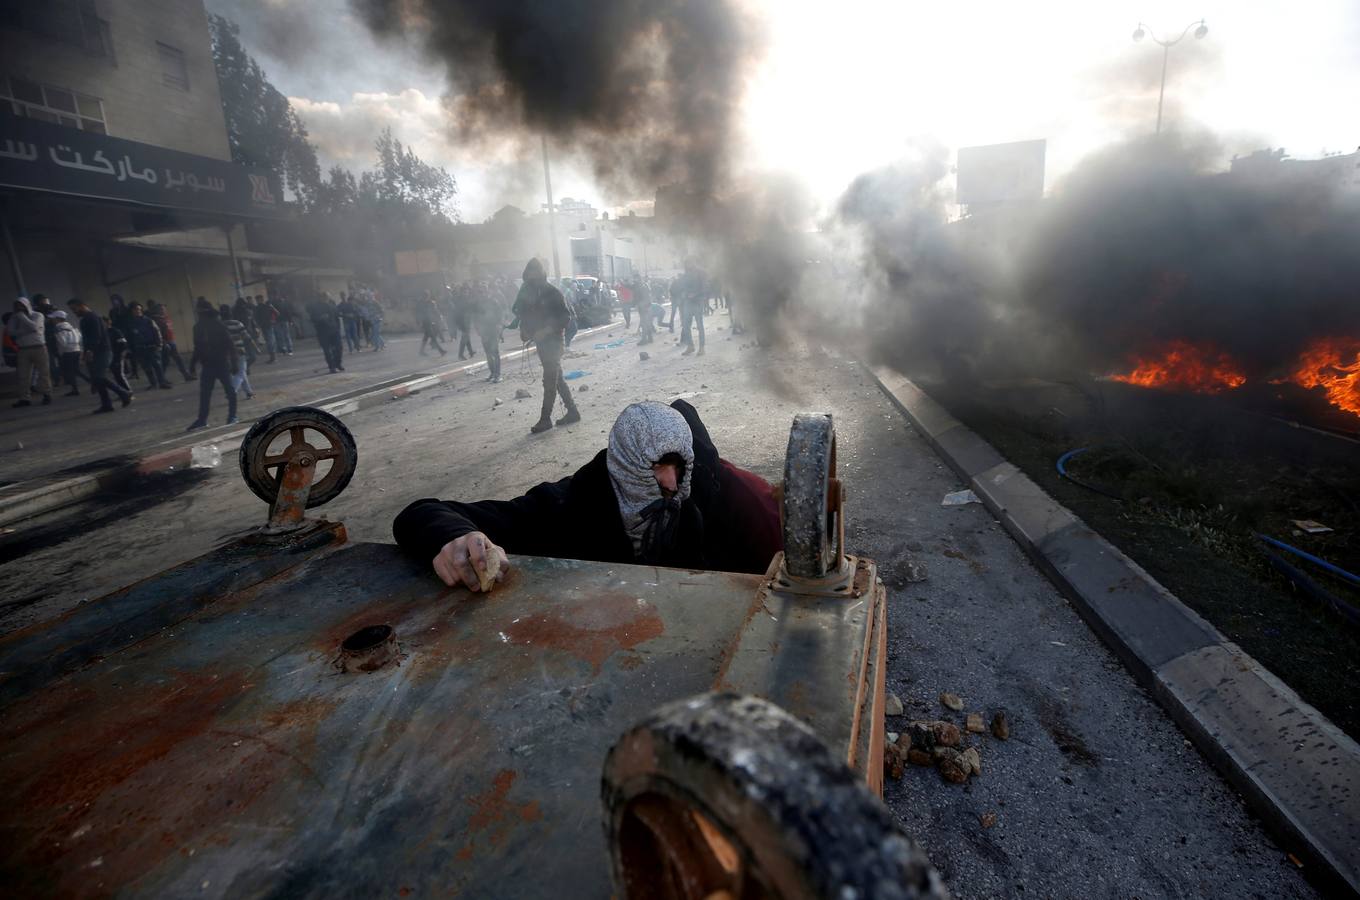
(52,347)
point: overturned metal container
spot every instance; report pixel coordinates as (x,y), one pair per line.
(293,715)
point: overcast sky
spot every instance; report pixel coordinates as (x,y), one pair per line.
(846,87)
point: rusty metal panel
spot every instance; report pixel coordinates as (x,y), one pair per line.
(226,754)
(33,656)
(812,654)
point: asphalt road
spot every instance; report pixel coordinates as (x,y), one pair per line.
(1096,793)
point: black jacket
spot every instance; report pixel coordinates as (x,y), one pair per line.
(94,337)
(729,522)
(213,346)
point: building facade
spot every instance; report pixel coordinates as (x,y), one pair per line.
(115,169)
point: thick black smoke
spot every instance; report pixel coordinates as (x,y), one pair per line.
(648,89)
(1142,245)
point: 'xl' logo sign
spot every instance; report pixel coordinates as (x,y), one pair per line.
(259,190)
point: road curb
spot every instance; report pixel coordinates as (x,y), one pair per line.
(47,493)
(1297,770)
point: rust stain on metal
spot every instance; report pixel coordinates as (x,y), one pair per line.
(592,631)
(494,815)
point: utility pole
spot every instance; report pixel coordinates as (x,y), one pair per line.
(1166,46)
(552,213)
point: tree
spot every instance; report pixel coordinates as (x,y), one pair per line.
(263,129)
(338,193)
(403,179)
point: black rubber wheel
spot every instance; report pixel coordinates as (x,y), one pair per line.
(262,470)
(724,795)
(810,527)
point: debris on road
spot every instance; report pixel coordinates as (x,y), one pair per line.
(892,706)
(522,394)
(643,355)
(1000,727)
(927,735)
(973,759)
(960,498)
(974,723)
(987,819)
(916,572)
(584,388)
(951,701)
(205,456)
(1307,526)
(574,374)
(498,401)
(951,765)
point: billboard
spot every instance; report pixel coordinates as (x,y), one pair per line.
(1001,173)
(40,156)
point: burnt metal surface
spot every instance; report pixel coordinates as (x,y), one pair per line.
(215,748)
(792,820)
(32,657)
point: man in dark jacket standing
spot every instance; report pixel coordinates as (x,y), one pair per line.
(325,318)
(147,343)
(98,351)
(216,354)
(169,350)
(543,319)
(658,495)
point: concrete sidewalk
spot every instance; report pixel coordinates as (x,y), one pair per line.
(1298,771)
(45,492)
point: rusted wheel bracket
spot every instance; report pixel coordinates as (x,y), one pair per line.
(284,476)
(730,796)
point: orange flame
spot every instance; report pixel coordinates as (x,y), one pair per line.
(1181,365)
(1333,364)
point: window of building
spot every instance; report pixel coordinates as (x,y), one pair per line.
(50,103)
(174,73)
(75,22)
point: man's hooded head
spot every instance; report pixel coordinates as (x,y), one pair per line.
(642,436)
(534,271)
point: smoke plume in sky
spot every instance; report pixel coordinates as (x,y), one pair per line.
(649,91)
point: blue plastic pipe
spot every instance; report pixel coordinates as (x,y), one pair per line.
(1303,554)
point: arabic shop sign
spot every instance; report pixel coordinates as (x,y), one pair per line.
(44,157)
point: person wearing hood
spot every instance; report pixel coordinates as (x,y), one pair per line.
(28,329)
(68,350)
(659,494)
(543,319)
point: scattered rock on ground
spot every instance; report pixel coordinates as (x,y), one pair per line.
(497,403)
(903,740)
(894,760)
(974,723)
(892,706)
(928,735)
(916,572)
(952,766)
(951,701)
(973,759)
(584,388)
(1001,728)
(987,819)
(919,757)
(522,394)
(643,356)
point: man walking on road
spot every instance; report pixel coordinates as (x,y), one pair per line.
(543,320)
(98,350)
(266,317)
(246,350)
(68,351)
(169,350)
(690,292)
(146,342)
(215,352)
(488,318)
(326,320)
(28,329)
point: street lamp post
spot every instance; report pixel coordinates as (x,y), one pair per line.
(1145,31)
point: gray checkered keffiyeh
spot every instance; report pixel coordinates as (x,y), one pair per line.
(642,434)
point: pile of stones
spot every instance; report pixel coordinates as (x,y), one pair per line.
(938,743)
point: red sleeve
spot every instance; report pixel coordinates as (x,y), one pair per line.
(752,520)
